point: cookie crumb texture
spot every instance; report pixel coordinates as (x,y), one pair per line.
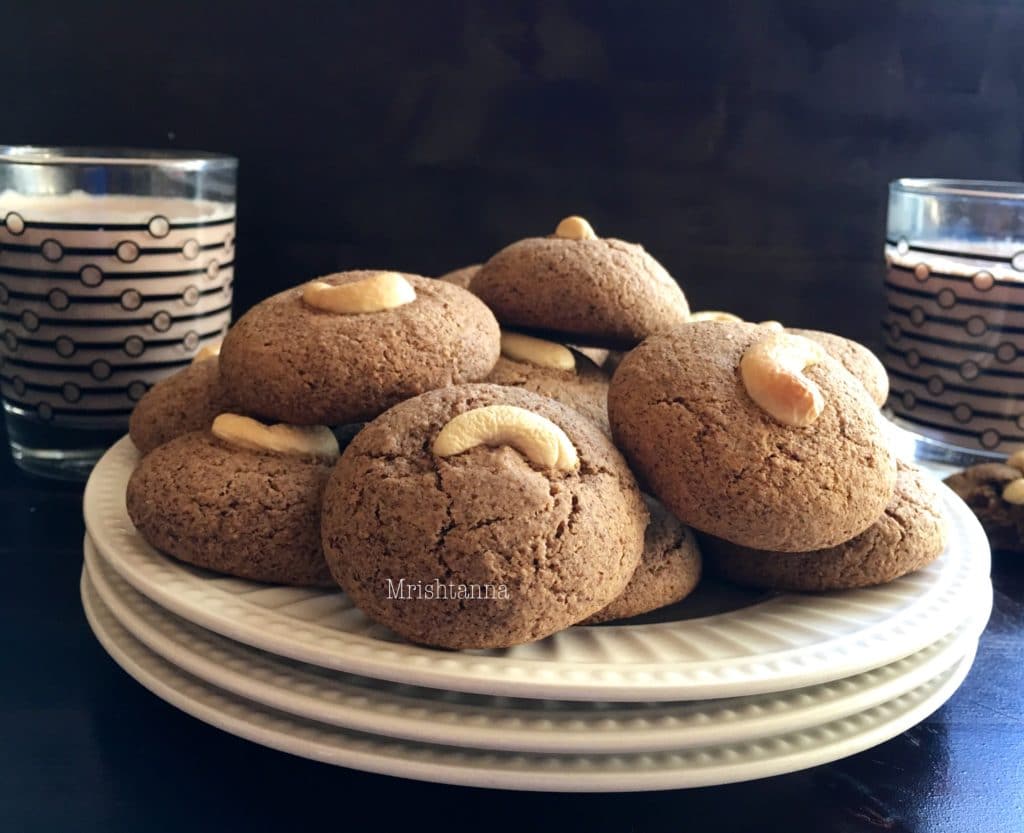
(981,488)
(249,514)
(285,361)
(584,389)
(669,569)
(680,413)
(185,401)
(562,545)
(909,535)
(601,293)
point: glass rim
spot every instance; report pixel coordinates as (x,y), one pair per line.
(189,160)
(982,189)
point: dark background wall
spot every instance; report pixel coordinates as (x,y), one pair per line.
(747,145)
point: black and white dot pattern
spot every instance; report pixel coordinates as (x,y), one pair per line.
(955,346)
(14,223)
(128,251)
(70,392)
(52,250)
(162,321)
(117,315)
(159,227)
(100,370)
(58,299)
(30,321)
(131,299)
(134,346)
(90,275)
(65,346)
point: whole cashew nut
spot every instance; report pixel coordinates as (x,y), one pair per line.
(294,440)
(772,372)
(1016,460)
(535,437)
(537,351)
(575,228)
(376,293)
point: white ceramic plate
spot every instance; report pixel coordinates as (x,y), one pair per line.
(719,764)
(480,721)
(778,643)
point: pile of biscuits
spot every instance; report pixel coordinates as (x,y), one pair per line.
(458,456)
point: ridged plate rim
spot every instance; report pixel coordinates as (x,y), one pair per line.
(787,641)
(488,722)
(705,766)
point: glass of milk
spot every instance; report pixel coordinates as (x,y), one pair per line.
(954,323)
(116,267)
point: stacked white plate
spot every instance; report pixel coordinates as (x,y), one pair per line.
(727,686)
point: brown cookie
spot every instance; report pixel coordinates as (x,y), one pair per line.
(668,572)
(596,292)
(536,549)
(584,389)
(250,514)
(856,358)
(185,401)
(287,361)
(909,535)
(683,417)
(981,488)
(461,277)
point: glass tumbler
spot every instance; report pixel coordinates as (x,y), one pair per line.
(954,322)
(116,267)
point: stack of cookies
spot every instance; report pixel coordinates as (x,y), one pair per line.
(457,457)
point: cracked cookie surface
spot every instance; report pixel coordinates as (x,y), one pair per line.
(599,293)
(669,569)
(682,416)
(250,514)
(563,545)
(909,535)
(289,362)
(185,401)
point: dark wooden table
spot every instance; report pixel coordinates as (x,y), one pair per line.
(85,748)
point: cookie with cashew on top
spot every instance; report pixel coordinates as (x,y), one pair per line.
(481,516)
(576,287)
(241,498)
(995,493)
(184,401)
(753,435)
(343,348)
(909,535)
(852,355)
(554,370)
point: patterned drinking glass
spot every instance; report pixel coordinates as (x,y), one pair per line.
(116,267)
(955,316)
